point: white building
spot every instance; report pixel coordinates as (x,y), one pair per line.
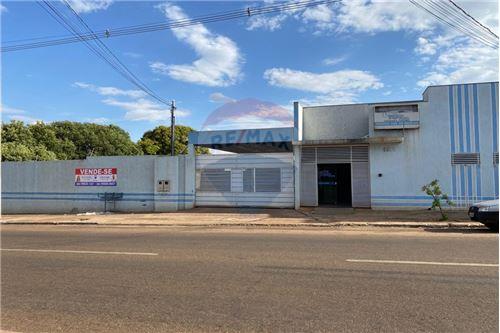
(376,155)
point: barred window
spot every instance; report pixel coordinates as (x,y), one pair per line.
(495,158)
(465,158)
(213,180)
(267,180)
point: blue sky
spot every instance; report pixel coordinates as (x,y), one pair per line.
(357,51)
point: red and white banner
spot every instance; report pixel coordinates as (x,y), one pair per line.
(95,176)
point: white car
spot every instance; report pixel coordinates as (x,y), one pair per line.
(485,212)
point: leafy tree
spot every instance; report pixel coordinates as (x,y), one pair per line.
(14,151)
(64,140)
(40,153)
(157,141)
(94,140)
(15,131)
(434,190)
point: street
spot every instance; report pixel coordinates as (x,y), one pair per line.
(139,279)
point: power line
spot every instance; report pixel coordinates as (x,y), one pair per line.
(171,24)
(99,50)
(462,23)
(467,24)
(103,46)
(468,15)
(448,14)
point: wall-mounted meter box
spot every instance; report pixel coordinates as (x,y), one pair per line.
(163,186)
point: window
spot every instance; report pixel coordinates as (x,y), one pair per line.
(213,180)
(495,158)
(465,158)
(267,180)
(248,180)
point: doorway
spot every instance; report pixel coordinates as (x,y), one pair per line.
(334,185)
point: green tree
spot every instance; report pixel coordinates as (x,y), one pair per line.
(13,151)
(434,190)
(95,140)
(64,140)
(16,131)
(157,141)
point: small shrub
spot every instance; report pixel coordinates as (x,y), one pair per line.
(434,190)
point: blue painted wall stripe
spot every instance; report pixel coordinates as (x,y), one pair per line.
(469,180)
(467,118)
(452,119)
(94,199)
(495,132)
(452,139)
(460,120)
(476,138)
(97,193)
(494,117)
(462,181)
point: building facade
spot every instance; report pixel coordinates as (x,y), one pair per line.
(373,155)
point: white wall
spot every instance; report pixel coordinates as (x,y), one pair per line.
(49,187)
(425,153)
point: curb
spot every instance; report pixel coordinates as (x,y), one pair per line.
(456,225)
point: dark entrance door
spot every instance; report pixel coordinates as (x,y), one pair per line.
(334,185)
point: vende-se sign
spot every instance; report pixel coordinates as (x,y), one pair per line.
(95,176)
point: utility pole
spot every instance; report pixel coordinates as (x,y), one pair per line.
(172,128)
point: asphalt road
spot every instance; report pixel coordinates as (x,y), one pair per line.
(96,279)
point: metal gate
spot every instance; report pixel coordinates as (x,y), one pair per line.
(357,156)
(245,180)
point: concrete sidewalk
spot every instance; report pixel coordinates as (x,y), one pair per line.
(314,217)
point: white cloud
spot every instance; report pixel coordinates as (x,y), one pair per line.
(4,109)
(367,16)
(340,87)
(3,9)
(334,61)
(387,93)
(144,109)
(218,97)
(219,62)
(382,15)
(137,106)
(24,118)
(425,47)
(463,62)
(159,67)
(110,91)
(11,113)
(270,23)
(88,6)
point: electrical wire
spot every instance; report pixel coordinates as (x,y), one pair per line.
(465,23)
(451,16)
(171,24)
(470,16)
(102,52)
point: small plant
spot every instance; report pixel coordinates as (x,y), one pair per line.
(434,190)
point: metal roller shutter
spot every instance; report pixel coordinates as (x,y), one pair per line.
(334,155)
(360,175)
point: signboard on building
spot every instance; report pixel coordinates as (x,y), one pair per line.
(396,117)
(95,176)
